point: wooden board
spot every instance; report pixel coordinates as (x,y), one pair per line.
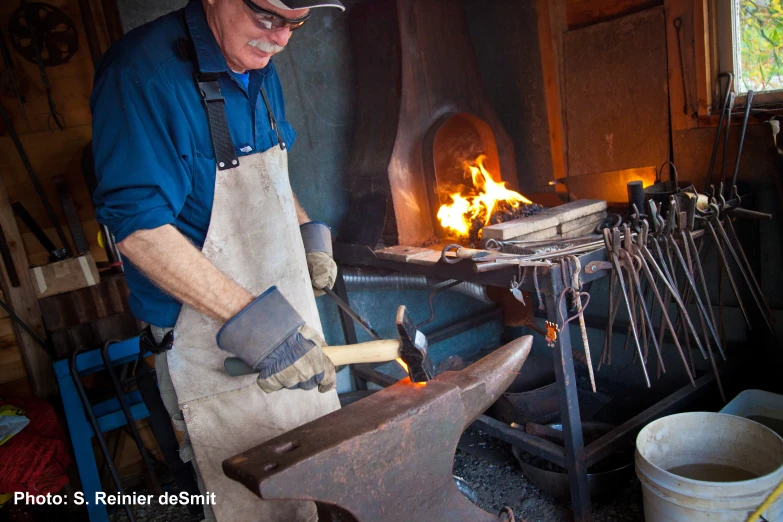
(551,26)
(23,302)
(520,227)
(109,297)
(581,13)
(692,150)
(575,210)
(592,219)
(64,276)
(617,101)
(579,232)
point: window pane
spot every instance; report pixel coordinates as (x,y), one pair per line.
(760,66)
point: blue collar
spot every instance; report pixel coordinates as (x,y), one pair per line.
(210,57)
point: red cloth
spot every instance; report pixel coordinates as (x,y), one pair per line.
(36,459)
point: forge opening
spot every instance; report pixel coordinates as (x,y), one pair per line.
(465,184)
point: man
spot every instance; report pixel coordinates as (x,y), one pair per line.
(190,141)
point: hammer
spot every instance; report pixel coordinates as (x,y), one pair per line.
(411,348)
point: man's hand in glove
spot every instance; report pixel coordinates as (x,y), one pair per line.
(317,240)
(270,338)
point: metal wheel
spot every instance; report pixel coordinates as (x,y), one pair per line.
(54,30)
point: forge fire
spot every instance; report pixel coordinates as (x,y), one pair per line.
(486,202)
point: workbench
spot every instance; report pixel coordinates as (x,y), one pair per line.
(574,456)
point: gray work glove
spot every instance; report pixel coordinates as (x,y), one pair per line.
(271,339)
(317,238)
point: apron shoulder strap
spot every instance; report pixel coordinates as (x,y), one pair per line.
(215,105)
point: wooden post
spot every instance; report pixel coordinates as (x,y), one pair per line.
(551,26)
(23,302)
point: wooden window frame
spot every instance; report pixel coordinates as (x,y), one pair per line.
(708,35)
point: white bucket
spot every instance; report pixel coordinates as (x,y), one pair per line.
(698,439)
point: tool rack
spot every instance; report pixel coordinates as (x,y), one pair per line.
(574,457)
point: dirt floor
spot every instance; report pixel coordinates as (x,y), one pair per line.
(496,478)
(505,485)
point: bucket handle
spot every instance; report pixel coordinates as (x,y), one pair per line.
(673,175)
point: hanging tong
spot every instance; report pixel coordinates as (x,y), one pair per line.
(631,262)
(707,326)
(667,278)
(758,297)
(613,241)
(641,244)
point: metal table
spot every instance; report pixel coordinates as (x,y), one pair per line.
(574,457)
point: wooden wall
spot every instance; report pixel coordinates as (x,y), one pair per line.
(581,13)
(687,84)
(56,153)
(53,153)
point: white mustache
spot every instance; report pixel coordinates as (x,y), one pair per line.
(266,47)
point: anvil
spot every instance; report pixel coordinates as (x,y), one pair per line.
(388,457)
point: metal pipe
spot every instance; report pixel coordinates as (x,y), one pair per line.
(361,280)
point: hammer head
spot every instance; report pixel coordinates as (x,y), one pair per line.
(413,348)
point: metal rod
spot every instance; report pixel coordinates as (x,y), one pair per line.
(673,291)
(8,261)
(9,67)
(348,310)
(748,106)
(152,479)
(53,113)
(725,166)
(26,328)
(723,111)
(36,182)
(665,319)
(533,444)
(727,268)
(745,276)
(733,233)
(612,240)
(96,428)
(643,304)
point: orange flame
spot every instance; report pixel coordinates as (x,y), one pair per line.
(458,216)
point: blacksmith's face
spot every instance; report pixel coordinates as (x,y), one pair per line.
(242,34)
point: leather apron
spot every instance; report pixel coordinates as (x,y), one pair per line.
(254,239)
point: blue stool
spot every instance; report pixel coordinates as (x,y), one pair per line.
(108,414)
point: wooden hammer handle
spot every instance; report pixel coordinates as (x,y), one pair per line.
(370,352)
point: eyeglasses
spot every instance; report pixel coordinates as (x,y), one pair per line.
(270,21)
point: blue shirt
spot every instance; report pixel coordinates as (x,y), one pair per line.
(153,152)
